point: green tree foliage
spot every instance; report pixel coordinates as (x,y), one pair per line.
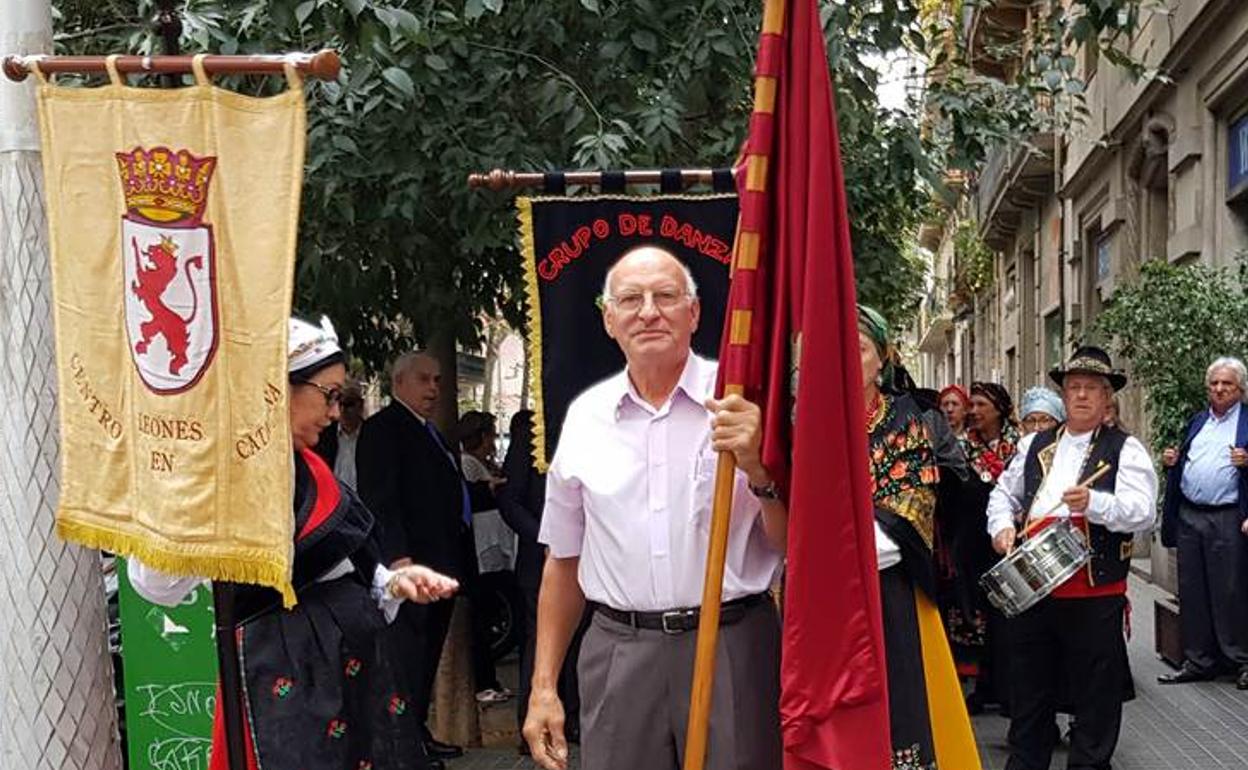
(1170,325)
(393,243)
(971,113)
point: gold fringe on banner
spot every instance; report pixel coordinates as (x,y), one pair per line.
(258,566)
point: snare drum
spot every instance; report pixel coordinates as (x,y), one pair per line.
(1036,568)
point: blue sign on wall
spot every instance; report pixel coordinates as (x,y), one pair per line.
(1237,157)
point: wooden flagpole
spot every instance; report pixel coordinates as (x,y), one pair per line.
(698,728)
(745,257)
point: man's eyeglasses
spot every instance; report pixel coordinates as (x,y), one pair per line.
(332,395)
(664,299)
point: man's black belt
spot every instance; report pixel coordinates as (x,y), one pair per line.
(1201,507)
(681,621)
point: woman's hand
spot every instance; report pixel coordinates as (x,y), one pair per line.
(422,585)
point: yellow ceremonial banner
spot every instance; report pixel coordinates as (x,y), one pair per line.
(173,216)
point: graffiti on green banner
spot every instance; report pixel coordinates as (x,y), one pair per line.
(169,668)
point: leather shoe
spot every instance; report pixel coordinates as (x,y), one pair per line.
(436,764)
(1184,675)
(1242,682)
(438,750)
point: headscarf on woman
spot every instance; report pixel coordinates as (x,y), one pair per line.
(876,328)
(310,348)
(958,391)
(1000,398)
(1041,399)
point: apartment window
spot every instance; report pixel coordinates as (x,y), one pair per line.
(1053,339)
(1102,258)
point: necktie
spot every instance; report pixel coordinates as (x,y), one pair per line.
(465,502)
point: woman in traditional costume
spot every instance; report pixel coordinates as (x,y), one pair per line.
(928,722)
(320,691)
(976,628)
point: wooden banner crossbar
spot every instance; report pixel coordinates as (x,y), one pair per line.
(323,65)
(500,179)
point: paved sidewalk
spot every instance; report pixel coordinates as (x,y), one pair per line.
(1202,726)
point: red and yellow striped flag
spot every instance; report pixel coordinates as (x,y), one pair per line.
(791,344)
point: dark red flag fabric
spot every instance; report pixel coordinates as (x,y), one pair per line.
(791,344)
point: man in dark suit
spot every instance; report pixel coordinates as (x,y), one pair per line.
(1206,517)
(409,475)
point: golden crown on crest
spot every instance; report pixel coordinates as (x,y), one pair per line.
(164,186)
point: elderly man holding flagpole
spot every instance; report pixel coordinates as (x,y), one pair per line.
(628,505)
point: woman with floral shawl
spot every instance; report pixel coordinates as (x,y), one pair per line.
(928,723)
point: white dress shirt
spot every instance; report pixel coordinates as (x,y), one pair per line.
(344,461)
(630,489)
(1131,507)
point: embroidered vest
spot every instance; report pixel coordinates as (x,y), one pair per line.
(1111,551)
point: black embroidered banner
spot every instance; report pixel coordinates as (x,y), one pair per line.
(569,244)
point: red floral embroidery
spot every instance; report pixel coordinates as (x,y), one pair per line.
(282,687)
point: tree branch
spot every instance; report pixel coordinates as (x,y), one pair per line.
(61,37)
(550,66)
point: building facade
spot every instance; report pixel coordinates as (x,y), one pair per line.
(1157,170)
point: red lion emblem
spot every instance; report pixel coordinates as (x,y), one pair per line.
(150,286)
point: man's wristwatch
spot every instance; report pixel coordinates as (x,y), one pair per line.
(768,491)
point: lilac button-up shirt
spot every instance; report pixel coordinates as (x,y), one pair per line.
(629,491)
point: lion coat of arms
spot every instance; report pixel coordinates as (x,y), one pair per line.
(169,266)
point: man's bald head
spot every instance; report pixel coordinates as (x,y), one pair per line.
(648,256)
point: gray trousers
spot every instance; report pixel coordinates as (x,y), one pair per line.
(1213,587)
(635,686)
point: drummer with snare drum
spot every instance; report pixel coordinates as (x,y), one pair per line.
(1075,634)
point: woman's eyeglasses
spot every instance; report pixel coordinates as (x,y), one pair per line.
(332,395)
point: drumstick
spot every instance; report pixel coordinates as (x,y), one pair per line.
(1035,520)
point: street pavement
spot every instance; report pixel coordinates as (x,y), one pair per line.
(1202,726)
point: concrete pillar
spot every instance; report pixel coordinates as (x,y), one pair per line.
(56,681)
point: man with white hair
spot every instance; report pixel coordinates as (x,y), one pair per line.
(626,523)
(1074,636)
(1206,517)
